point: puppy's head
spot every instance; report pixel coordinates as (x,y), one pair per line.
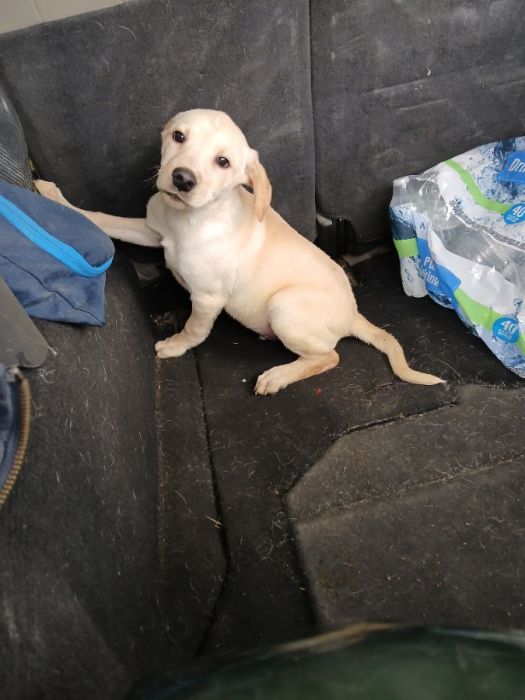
(204,156)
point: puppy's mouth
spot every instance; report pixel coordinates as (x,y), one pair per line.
(173,195)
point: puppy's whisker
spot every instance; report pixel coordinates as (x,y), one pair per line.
(152,177)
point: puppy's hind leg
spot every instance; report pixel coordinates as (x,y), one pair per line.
(276,378)
(305,337)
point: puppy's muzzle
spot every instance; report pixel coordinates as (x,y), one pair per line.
(183,179)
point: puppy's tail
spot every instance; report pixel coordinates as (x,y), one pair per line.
(380,339)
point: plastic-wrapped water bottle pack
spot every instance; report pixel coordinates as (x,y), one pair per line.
(459,229)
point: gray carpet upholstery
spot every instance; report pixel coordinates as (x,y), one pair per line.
(446,555)
(80,569)
(400,86)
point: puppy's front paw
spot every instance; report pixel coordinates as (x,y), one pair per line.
(171,347)
(270,382)
(50,190)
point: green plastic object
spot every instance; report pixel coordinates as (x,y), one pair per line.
(365,662)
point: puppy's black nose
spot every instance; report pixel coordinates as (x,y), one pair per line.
(183,179)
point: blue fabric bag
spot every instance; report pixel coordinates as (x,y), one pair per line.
(53,258)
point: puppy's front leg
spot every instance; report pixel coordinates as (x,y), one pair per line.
(124,229)
(204,311)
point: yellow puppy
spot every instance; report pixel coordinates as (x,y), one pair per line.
(231,251)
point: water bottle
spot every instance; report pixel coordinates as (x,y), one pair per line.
(459,229)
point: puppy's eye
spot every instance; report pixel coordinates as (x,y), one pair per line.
(178,136)
(222,161)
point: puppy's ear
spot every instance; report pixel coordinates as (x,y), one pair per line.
(258,180)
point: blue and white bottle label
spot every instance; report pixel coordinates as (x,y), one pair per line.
(516,214)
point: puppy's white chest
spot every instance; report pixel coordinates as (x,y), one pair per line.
(201,257)
(203,249)
(173,261)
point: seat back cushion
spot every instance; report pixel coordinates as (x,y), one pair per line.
(93,92)
(398,87)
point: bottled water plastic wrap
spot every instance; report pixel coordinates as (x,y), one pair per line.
(459,229)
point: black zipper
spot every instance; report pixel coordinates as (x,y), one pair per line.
(19,435)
